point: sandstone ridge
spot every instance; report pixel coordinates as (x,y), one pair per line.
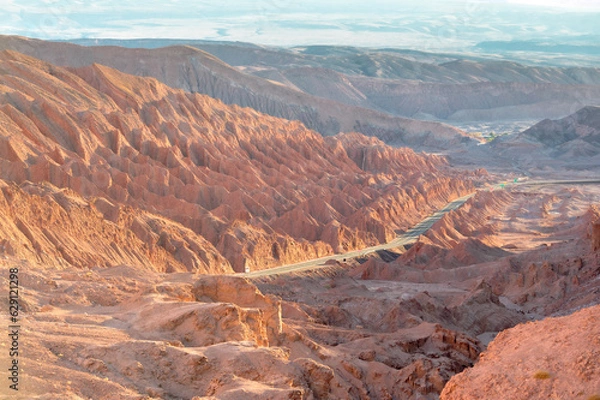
(520,364)
(209,186)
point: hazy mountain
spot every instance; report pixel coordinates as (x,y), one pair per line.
(574,136)
(450,88)
(197,71)
(569,144)
(373,62)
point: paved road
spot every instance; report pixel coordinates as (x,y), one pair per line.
(559,182)
(409,237)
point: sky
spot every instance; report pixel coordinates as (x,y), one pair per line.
(426,25)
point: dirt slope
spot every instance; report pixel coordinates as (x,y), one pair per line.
(371,331)
(553,358)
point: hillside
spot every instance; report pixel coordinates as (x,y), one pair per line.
(569,144)
(180,181)
(567,369)
(451,88)
(386,63)
(582,127)
(196,71)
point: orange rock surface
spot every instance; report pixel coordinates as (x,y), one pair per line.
(553,358)
(202,186)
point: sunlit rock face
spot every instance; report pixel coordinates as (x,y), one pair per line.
(191,183)
(550,358)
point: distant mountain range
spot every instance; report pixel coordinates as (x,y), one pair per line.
(195,70)
(398,96)
(411,84)
(578,50)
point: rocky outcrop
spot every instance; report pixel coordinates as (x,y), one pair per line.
(58,228)
(572,142)
(137,333)
(228,289)
(555,357)
(596,236)
(557,278)
(582,126)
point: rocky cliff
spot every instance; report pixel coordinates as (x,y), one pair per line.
(553,358)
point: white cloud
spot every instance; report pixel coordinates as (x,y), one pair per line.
(572,5)
(452,25)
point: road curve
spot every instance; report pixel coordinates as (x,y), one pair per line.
(409,237)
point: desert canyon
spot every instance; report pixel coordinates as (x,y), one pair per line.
(138,187)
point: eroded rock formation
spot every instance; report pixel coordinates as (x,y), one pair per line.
(196,71)
(201,185)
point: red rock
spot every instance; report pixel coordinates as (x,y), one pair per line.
(261,190)
(596,236)
(555,357)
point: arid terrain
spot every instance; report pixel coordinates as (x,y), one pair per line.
(397,329)
(477,94)
(131,207)
(180,181)
(197,71)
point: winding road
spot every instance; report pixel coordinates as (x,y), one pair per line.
(409,237)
